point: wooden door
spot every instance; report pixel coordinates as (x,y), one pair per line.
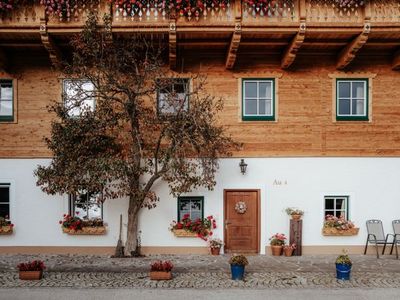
(242,224)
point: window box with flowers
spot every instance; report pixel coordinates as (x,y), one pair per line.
(31,270)
(334,226)
(6,227)
(194,228)
(77,226)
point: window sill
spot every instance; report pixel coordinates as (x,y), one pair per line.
(257,118)
(352,118)
(336,232)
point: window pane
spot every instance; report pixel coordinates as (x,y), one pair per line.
(344,106)
(340,204)
(262,107)
(329,203)
(251,107)
(250,89)
(87,206)
(78,96)
(329,212)
(344,89)
(358,90)
(6,108)
(340,214)
(4,194)
(94,211)
(4,210)
(184,208)
(358,107)
(6,91)
(264,90)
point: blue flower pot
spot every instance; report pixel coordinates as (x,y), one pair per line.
(343,271)
(237,272)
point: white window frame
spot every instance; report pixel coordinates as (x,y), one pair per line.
(72,206)
(183,96)
(334,210)
(351,98)
(90,102)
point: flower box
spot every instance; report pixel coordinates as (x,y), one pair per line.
(160,275)
(184,233)
(30,275)
(331,231)
(4,230)
(101,230)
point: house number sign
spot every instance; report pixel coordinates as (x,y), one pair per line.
(241,207)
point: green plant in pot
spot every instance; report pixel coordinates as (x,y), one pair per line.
(294,212)
(238,263)
(343,266)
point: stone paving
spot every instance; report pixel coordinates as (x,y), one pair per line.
(195,271)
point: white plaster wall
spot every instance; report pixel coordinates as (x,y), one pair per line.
(371,183)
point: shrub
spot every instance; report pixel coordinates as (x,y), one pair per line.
(239,260)
(294,211)
(215,243)
(344,259)
(36,265)
(161,266)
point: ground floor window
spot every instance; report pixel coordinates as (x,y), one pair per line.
(86,206)
(336,206)
(193,206)
(4,200)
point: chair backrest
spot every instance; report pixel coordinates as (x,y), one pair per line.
(396,226)
(375,227)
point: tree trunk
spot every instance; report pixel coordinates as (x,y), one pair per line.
(132,230)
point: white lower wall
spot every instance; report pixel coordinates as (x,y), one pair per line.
(371,183)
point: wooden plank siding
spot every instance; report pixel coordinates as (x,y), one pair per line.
(305,125)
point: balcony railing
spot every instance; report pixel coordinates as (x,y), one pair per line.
(209,13)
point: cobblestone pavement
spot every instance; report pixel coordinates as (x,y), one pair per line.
(202,271)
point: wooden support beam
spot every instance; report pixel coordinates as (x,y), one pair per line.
(49,44)
(234,46)
(3,61)
(291,51)
(172,45)
(396,61)
(347,55)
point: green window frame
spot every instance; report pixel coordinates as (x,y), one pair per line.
(6,84)
(337,206)
(192,201)
(268,99)
(351,100)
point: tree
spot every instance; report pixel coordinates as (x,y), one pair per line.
(130,140)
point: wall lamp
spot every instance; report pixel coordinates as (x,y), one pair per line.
(243,166)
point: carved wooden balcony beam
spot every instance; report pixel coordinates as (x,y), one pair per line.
(3,61)
(396,61)
(172,44)
(236,37)
(347,55)
(291,51)
(51,47)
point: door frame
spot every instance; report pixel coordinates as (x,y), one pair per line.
(258,191)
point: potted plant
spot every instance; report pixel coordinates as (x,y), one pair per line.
(6,227)
(238,262)
(334,226)
(215,245)
(288,249)
(343,267)
(77,226)
(31,270)
(277,241)
(295,213)
(193,228)
(161,270)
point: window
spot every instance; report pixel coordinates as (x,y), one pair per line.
(4,200)
(337,206)
(352,99)
(86,206)
(6,100)
(172,95)
(258,99)
(192,206)
(79,96)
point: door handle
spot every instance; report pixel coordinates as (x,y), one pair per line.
(227,223)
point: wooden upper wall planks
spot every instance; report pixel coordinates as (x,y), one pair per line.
(305,123)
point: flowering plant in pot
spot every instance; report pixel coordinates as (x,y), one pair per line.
(343,266)
(6,227)
(277,241)
(295,213)
(75,225)
(188,227)
(161,270)
(238,263)
(288,249)
(215,245)
(31,270)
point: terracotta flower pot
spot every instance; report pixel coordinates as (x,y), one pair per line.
(215,251)
(30,275)
(276,250)
(288,251)
(296,217)
(159,275)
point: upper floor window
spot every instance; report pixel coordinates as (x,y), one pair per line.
(337,206)
(4,200)
(258,99)
(86,206)
(6,100)
(352,99)
(79,96)
(172,95)
(192,206)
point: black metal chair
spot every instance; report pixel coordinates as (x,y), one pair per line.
(377,236)
(396,231)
